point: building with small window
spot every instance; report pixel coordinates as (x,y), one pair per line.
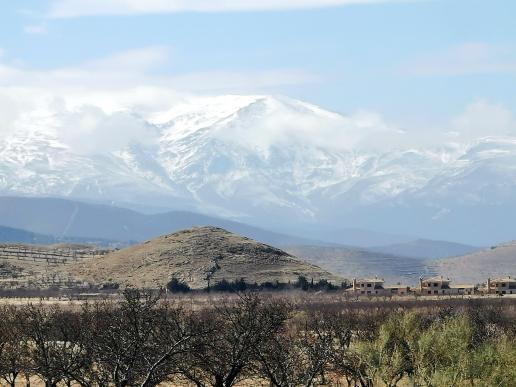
(466,289)
(439,285)
(397,290)
(368,286)
(503,285)
(433,286)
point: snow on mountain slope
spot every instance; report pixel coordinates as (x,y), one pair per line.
(271,161)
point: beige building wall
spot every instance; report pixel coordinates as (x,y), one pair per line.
(505,285)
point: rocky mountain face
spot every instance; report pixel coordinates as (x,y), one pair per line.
(274,162)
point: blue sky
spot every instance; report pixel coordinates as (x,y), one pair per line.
(412,62)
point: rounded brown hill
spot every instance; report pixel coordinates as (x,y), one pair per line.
(195,256)
(496,261)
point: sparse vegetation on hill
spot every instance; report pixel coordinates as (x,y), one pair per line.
(352,262)
(496,261)
(200,257)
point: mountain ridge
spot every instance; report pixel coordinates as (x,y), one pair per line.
(62,218)
(426,249)
(273,160)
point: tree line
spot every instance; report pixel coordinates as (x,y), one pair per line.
(240,285)
(143,340)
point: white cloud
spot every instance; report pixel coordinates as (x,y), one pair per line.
(77,8)
(483,119)
(144,69)
(90,130)
(479,119)
(136,60)
(213,81)
(464,59)
(102,105)
(90,106)
(35,29)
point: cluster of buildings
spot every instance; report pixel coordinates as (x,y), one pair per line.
(434,286)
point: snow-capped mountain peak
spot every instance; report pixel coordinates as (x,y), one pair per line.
(263,159)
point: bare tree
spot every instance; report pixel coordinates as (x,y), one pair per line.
(54,348)
(228,353)
(137,341)
(302,354)
(13,346)
(170,339)
(74,359)
(342,326)
(118,336)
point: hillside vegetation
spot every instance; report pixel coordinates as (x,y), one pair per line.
(198,256)
(495,261)
(354,262)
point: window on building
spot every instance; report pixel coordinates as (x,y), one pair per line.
(368,285)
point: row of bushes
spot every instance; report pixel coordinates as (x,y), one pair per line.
(240,285)
(141,340)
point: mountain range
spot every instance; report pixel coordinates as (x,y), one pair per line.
(14,235)
(10,235)
(48,220)
(51,220)
(276,163)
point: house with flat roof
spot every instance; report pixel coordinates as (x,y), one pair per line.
(368,286)
(462,289)
(503,285)
(442,286)
(397,290)
(433,285)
